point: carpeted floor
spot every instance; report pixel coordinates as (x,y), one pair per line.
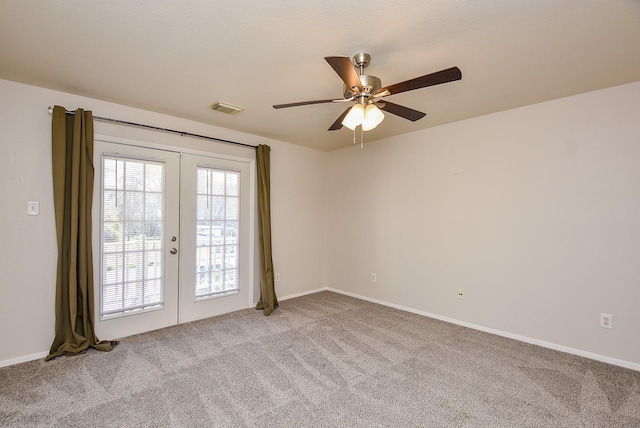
(323,360)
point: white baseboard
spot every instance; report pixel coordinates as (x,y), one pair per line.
(24,359)
(304,293)
(561,348)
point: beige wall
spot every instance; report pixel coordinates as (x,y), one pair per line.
(299,218)
(534,212)
(28,255)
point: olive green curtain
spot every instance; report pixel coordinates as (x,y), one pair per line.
(72,156)
(268,300)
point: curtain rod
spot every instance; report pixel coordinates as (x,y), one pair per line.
(157,128)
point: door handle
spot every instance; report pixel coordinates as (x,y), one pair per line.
(173,251)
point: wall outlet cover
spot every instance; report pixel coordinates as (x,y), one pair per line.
(606,320)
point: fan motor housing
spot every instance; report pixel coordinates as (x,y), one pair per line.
(370,85)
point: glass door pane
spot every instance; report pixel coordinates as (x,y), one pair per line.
(132,242)
(216,232)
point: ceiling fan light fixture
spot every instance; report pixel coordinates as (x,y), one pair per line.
(372,117)
(354,117)
(367,90)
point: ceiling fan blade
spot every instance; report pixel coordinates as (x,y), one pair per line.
(343,66)
(437,78)
(302,103)
(402,111)
(338,123)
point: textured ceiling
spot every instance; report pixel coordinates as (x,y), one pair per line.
(178,57)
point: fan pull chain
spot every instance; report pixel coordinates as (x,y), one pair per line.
(361,138)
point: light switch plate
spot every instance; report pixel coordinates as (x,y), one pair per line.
(33,208)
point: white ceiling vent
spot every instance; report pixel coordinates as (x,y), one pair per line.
(225,108)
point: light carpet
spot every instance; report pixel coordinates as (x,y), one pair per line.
(323,360)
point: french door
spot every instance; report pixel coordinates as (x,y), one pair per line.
(216,237)
(171,238)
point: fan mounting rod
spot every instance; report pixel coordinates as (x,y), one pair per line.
(370,84)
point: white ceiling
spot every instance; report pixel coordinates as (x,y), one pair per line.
(178,57)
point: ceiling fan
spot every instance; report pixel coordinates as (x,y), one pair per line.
(367,93)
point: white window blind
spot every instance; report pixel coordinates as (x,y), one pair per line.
(217,227)
(132,253)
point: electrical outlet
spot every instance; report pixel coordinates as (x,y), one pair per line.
(460,293)
(606,321)
(374,278)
